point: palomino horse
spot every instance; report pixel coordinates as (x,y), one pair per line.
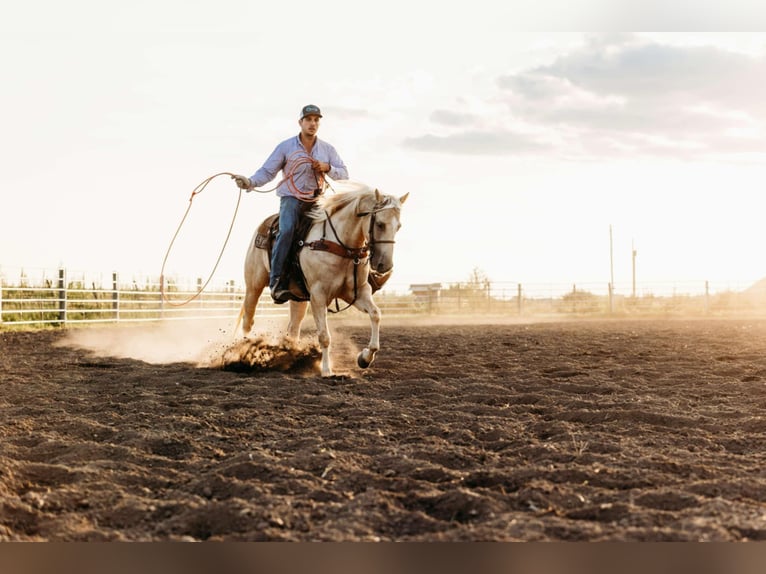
(351,236)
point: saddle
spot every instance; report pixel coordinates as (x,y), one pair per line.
(264,239)
(296,282)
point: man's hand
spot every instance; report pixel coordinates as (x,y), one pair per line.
(242,182)
(320,166)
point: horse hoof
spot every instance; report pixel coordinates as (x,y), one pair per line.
(360,360)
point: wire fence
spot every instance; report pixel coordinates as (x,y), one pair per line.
(60,297)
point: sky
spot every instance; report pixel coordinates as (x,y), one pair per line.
(539,142)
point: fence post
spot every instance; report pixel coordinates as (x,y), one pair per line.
(707,297)
(115,297)
(518,297)
(62,296)
(1,298)
(163,286)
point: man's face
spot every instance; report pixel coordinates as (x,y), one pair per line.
(309,125)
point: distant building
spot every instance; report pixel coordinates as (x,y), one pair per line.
(426,292)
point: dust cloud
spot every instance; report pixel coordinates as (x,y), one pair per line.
(206,344)
(156,343)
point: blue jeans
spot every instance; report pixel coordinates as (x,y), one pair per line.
(290,211)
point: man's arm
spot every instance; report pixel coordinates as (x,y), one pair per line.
(337,167)
(270,168)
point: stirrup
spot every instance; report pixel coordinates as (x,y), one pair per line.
(279,295)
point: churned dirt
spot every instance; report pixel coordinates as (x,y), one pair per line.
(581,431)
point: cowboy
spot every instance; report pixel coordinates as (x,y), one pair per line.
(304,160)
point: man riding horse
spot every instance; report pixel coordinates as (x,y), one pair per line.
(304,160)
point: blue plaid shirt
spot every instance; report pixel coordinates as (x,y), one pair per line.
(299,179)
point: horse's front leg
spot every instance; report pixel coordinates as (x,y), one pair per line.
(297,314)
(319,310)
(365,303)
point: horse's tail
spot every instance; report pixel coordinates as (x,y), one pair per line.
(239,318)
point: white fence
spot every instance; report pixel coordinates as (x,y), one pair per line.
(61,297)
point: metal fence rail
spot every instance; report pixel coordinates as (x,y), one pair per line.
(665,299)
(71,300)
(63,298)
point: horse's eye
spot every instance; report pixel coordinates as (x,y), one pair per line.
(380,225)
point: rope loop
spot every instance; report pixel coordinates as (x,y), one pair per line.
(196,191)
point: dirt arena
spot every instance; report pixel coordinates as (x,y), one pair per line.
(581,431)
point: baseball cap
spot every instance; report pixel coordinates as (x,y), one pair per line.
(310,110)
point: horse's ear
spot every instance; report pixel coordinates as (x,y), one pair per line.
(368,202)
(403,198)
(378,195)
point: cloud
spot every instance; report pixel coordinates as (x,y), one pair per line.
(650,71)
(450,118)
(347,113)
(622,94)
(477,143)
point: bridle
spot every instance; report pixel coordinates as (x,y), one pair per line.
(371,242)
(359,255)
(376,278)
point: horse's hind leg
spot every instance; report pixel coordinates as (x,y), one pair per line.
(297,314)
(365,303)
(256,279)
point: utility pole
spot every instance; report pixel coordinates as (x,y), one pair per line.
(634,253)
(611,271)
(611,257)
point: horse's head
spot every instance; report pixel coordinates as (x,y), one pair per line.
(385,212)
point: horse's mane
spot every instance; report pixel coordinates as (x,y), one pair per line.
(329,204)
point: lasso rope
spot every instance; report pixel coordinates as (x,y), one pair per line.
(196,191)
(199,189)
